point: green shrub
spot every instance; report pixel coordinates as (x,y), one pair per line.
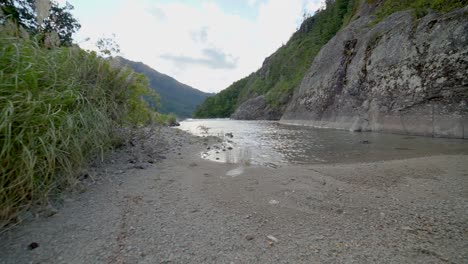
(166,119)
(57,108)
(171,119)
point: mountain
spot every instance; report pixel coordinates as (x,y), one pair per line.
(384,65)
(175,97)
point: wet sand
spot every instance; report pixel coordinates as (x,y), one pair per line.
(184,209)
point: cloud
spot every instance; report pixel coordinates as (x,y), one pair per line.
(212,58)
(199,43)
(158,13)
(252,2)
(200,35)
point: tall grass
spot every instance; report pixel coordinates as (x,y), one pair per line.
(57,108)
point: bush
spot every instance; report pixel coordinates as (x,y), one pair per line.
(57,108)
(171,119)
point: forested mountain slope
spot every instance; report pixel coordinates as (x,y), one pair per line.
(175,97)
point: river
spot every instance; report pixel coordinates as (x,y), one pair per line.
(271,143)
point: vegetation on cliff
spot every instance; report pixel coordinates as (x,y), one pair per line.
(282,72)
(420,7)
(59,106)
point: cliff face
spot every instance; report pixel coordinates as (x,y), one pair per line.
(256,108)
(402,76)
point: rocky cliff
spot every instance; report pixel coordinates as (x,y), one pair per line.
(256,108)
(403,75)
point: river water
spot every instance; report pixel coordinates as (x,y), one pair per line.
(271,143)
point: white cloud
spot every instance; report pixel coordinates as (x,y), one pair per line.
(211,58)
(211,47)
(252,2)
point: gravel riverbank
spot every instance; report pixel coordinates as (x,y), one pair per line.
(158,201)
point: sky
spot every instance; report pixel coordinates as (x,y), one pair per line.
(207,44)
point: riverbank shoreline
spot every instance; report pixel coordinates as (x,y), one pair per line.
(184,209)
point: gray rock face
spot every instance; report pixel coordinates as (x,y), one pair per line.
(402,76)
(256,108)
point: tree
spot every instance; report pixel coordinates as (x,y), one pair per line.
(62,22)
(41,18)
(19,11)
(107,46)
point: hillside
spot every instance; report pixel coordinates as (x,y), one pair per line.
(175,97)
(281,73)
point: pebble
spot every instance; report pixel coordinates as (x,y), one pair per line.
(140,166)
(272,238)
(49,211)
(33,245)
(273,202)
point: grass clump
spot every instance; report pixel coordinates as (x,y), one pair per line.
(166,119)
(58,107)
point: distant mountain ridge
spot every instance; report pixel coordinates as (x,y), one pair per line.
(175,97)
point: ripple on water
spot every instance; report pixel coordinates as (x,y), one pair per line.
(260,142)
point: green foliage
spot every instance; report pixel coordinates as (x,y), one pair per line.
(58,107)
(166,119)
(175,97)
(283,71)
(353,5)
(420,7)
(108,46)
(59,20)
(222,104)
(171,119)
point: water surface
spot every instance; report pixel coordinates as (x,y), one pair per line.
(271,143)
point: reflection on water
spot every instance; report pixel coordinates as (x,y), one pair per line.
(268,142)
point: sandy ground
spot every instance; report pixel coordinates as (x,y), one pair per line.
(178,208)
